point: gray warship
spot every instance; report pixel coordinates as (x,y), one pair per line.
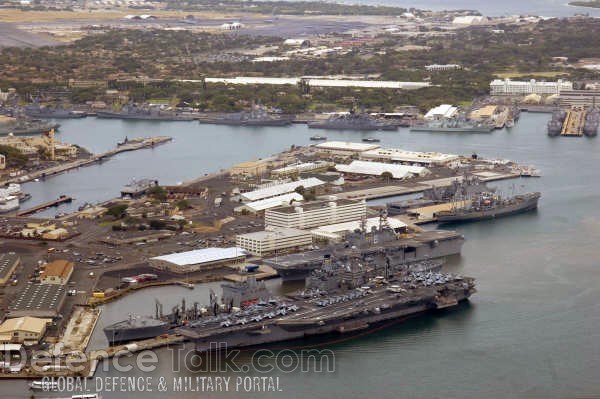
(257,116)
(454,125)
(353,121)
(556,123)
(337,299)
(235,296)
(36,110)
(592,121)
(134,112)
(381,246)
(490,206)
(461,187)
(24,126)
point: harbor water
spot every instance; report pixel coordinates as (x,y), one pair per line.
(531,331)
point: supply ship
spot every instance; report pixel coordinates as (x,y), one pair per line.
(235,296)
(376,248)
(133,112)
(353,121)
(592,121)
(489,206)
(339,298)
(454,125)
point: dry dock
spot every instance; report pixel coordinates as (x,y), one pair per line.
(574,122)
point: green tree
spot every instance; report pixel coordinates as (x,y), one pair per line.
(117,211)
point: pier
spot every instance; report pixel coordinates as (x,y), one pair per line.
(60,200)
(132,145)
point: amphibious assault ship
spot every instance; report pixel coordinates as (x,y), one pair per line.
(454,125)
(489,206)
(134,112)
(338,299)
(353,121)
(381,246)
(257,116)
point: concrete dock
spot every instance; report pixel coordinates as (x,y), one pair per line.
(136,144)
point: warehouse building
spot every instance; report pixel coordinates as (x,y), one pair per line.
(23,330)
(337,232)
(57,272)
(509,87)
(341,148)
(409,157)
(301,168)
(315,214)
(8,264)
(280,189)
(273,239)
(268,203)
(38,300)
(444,111)
(199,259)
(397,171)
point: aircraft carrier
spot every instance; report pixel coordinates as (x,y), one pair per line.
(337,299)
(376,248)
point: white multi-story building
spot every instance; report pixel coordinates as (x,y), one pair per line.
(509,87)
(273,239)
(316,214)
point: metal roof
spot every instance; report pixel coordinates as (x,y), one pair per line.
(378,168)
(204,255)
(281,189)
(273,202)
(347,146)
(351,226)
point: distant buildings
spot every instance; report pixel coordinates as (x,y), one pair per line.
(2,162)
(280,189)
(509,87)
(586,98)
(469,20)
(297,42)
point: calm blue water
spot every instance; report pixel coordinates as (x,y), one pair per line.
(530,332)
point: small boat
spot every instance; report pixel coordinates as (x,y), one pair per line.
(371,140)
(318,138)
(42,385)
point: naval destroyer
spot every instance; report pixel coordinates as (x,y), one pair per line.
(455,125)
(257,116)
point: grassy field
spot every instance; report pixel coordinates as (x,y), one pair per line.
(547,74)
